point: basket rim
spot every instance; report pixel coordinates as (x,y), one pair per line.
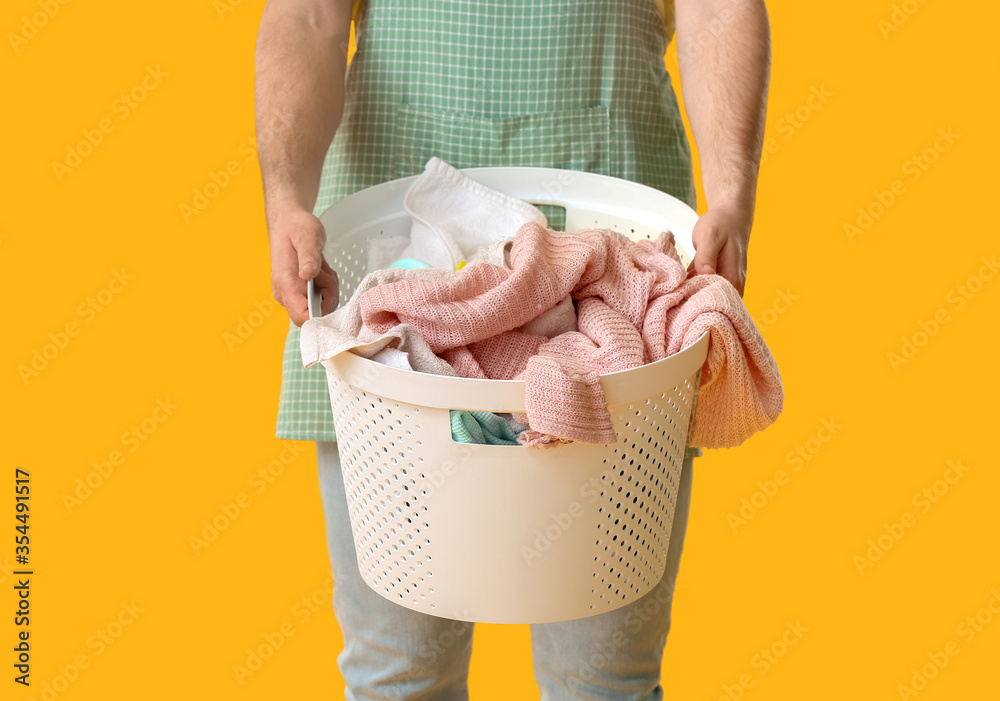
(533,184)
(444,392)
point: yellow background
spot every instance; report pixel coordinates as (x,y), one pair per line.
(163,337)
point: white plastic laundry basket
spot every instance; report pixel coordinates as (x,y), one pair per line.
(508,534)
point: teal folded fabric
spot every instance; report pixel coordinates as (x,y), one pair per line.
(471,426)
(481,427)
(410,264)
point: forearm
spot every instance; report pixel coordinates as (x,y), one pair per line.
(724,56)
(300,62)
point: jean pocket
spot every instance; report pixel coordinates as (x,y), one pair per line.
(574,139)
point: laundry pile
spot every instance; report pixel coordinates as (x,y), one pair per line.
(555,309)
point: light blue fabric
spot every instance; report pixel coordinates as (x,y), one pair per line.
(571,84)
(471,426)
(482,427)
(410,264)
(391,652)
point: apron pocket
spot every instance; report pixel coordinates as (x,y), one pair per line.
(577,139)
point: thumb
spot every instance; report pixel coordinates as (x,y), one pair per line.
(310,260)
(707,254)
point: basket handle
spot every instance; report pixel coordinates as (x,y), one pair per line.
(314,298)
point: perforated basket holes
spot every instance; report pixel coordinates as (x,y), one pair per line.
(381,443)
(622,226)
(350,259)
(639,494)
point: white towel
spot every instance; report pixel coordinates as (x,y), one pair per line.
(454,219)
(454,216)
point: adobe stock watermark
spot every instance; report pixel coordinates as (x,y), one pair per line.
(229,511)
(768,489)
(792,121)
(224,7)
(440,645)
(913,168)
(87,310)
(708,36)
(426,480)
(923,501)
(782,302)
(968,629)
(100,641)
(273,640)
(556,524)
(121,107)
(765,660)
(899,16)
(956,297)
(6,570)
(216,181)
(431,651)
(649,608)
(132,438)
(245,326)
(30,25)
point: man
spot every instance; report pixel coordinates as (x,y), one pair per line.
(585,80)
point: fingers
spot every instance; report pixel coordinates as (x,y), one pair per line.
(705,261)
(309,241)
(718,249)
(730,266)
(290,291)
(284,263)
(297,240)
(329,285)
(708,241)
(298,307)
(331,296)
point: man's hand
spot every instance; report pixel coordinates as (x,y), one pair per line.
(724,54)
(297,240)
(721,238)
(300,63)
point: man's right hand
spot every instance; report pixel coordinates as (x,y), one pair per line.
(297,239)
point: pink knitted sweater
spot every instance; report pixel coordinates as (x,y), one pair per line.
(635,305)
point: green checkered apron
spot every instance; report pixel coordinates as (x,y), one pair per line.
(576,84)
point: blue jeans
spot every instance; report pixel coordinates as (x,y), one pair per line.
(391,652)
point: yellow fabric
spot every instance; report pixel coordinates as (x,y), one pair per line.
(665,7)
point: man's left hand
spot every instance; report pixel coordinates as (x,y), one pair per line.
(721,238)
